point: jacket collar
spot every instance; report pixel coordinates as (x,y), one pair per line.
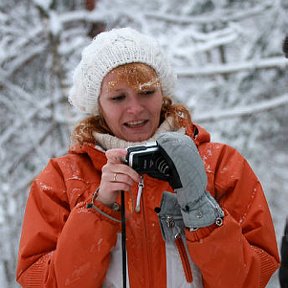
(97,156)
(199,134)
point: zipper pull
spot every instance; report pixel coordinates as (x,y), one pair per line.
(139,193)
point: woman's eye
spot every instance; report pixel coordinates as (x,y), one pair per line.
(118,98)
(147,92)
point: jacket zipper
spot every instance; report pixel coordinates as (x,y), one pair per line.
(148,251)
(184,258)
(139,194)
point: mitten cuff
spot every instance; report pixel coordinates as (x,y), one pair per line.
(205,212)
(170,217)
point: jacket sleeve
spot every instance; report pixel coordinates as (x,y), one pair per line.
(60,247)
(243,251)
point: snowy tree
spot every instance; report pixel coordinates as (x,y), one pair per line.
(232,75)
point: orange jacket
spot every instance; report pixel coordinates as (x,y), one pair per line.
(64,244)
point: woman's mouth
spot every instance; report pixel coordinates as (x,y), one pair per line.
(135,124)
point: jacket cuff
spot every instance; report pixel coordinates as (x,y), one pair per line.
(204,232)
(110,214)
(201,233)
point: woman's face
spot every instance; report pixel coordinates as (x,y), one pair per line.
(131,101)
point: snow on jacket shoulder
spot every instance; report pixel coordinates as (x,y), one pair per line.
(64,244)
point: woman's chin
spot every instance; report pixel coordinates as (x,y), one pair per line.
(138,137)
(138,134)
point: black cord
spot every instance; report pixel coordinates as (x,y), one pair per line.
(123,226)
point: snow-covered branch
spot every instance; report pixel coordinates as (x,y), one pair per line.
(210,70)
(205,46)
(17,90)
(19,62)
(26,152)
(211,17)
(244,110)
(85,16)
(14,128)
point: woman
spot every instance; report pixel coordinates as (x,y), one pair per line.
(225,235)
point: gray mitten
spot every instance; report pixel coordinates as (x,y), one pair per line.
(198,207)
(170,217)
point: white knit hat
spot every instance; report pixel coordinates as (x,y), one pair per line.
(109,50)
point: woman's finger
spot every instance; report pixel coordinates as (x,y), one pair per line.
(111,171)
(116,155)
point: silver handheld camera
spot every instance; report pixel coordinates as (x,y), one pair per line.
(147,159)
(154,161)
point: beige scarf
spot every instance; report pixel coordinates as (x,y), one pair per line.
(106,141)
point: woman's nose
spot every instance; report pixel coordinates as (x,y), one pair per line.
(135,106)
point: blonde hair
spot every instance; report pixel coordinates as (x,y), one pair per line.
(83,131)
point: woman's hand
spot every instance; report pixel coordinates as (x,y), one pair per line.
(116,176)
